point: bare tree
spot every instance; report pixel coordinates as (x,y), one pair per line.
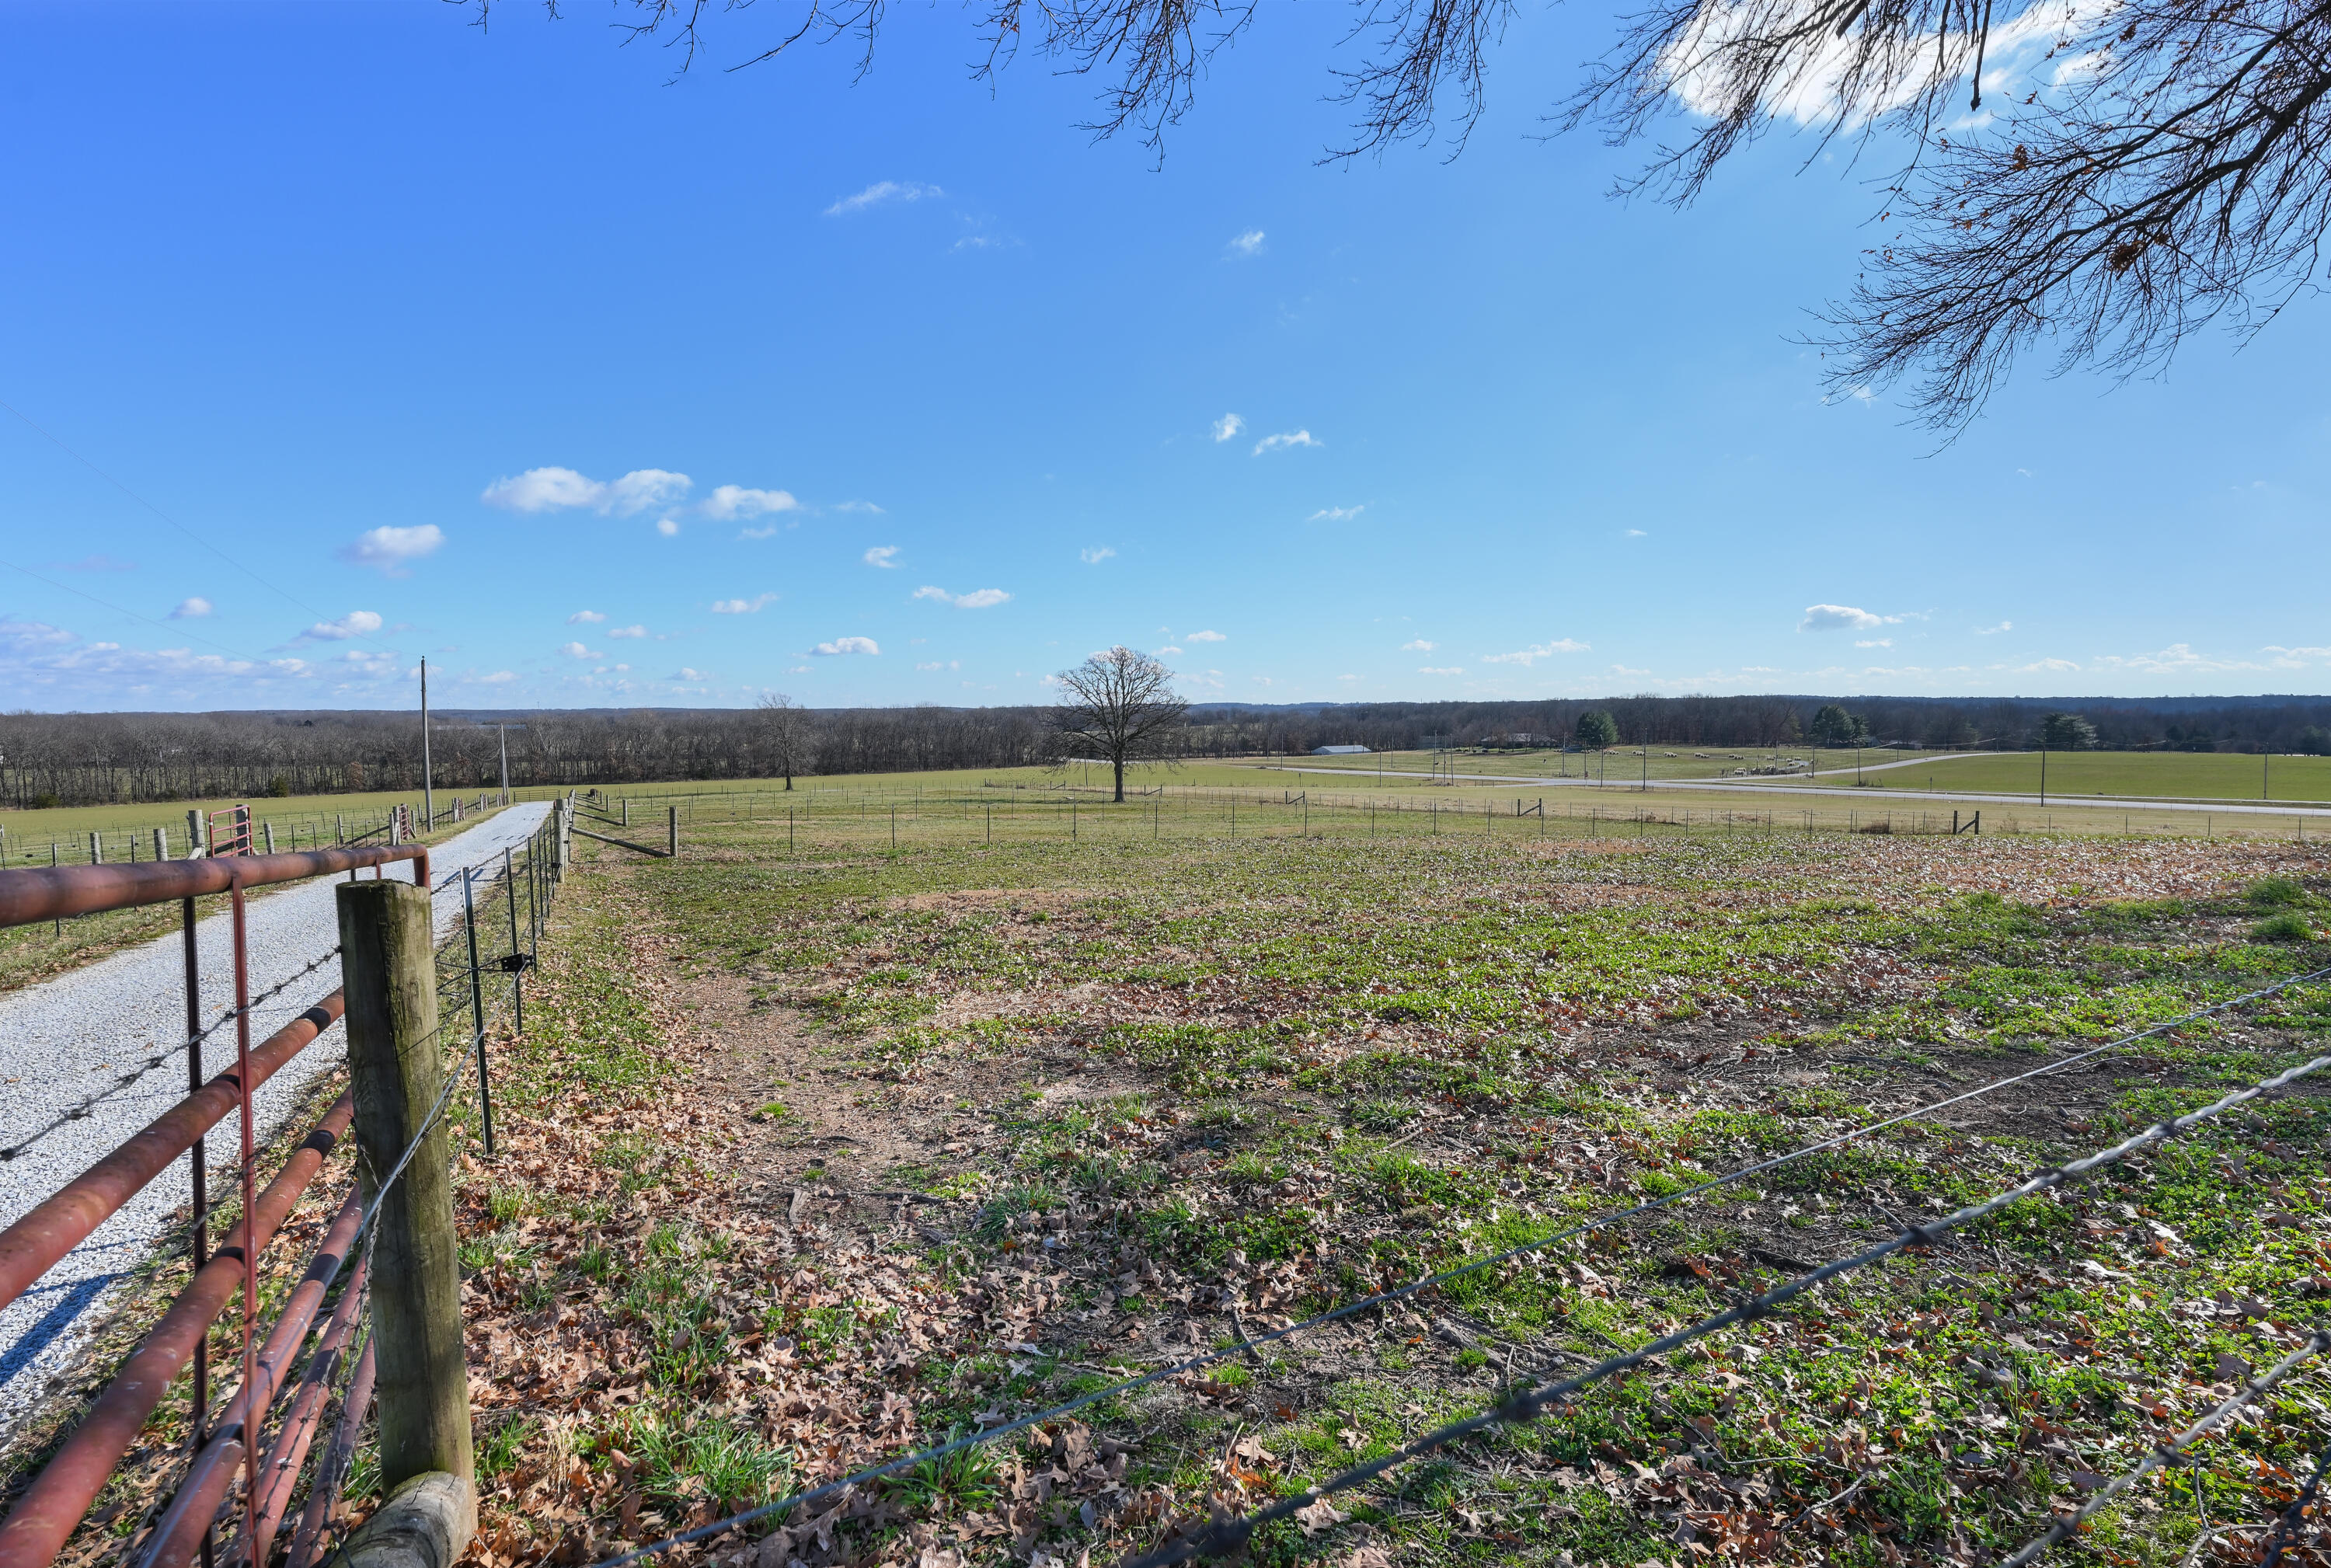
(788,731)
(1118,706)
(2159,164)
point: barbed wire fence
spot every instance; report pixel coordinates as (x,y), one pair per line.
(1526,1403)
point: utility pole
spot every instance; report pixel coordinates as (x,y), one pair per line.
(428,800)
(2043,770)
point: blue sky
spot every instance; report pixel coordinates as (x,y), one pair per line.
(353,333)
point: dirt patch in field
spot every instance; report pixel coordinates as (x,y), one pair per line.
(859,1151)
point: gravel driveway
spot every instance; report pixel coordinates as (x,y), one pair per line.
(66,1041)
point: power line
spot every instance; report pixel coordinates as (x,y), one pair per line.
(134,616)
(231,560)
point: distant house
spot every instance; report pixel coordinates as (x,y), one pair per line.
(1337,750)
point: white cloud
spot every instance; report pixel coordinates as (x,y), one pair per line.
(2047,667)
(942,664)
(752,607)
(1285,439)
(1229,425)
(978,599)
(879,192)
(498,678)
(1449,670)
(1247,244)
(391,550)
(1635,534)
(629,631)
(846,645)
(867,507)
(194,607)
(560,489)
(576,651)
(668,526)
(1205,637)
(1420,646)
(642,490)
(728,501)
(367,661)
(1093,556)
(1841,618)
(1526,657)
(1169,650)
(355,623)
(1875,643)
(1994,631)
(685,674)
(1336,514)
(585,618)
(880,556)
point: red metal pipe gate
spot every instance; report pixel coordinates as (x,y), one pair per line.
(60,1496)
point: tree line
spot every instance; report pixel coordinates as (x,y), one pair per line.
(92,758)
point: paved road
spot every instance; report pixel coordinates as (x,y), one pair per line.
(1834,798)
(77,1035)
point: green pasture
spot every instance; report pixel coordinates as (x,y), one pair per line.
(300,821)
(2165,776)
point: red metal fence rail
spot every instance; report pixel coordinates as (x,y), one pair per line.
(57,1499)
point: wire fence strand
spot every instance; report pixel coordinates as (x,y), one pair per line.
(2168,1453)
(1246,1342)
(1526,1405)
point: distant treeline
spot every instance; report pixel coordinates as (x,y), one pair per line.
(80,759)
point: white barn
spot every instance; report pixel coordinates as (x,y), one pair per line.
(1338,750)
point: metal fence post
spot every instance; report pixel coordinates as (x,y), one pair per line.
(388,967)
(673,848)
(517,974)
(478,1010)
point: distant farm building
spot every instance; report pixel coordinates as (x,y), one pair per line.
(1337,750)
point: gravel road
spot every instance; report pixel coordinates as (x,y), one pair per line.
(79,1034)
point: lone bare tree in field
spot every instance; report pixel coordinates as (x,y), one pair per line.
(2125,170)
(1118,706)
(786,730)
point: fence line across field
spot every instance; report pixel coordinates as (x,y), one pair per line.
(1248,812)
(1246,1342)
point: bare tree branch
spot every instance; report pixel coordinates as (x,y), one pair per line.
(1118,706)
(2162,164)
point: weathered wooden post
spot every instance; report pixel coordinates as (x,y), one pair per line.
(389,966)
(672,846)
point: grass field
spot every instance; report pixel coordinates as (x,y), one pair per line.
(2184,775)
(300,821)
(819,1151)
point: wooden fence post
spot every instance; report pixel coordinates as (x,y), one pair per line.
(673,848)
(388,965)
